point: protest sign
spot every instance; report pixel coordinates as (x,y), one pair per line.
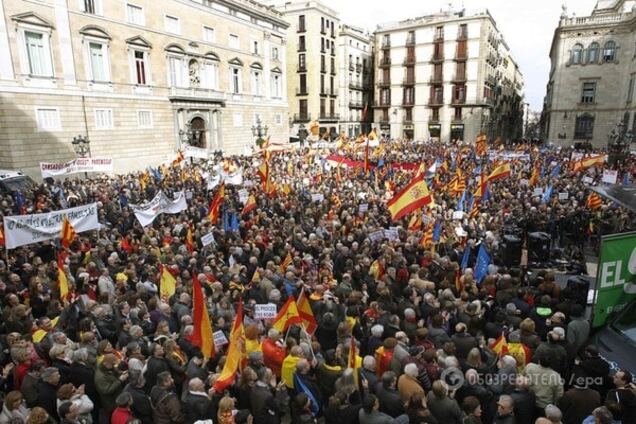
(265,311)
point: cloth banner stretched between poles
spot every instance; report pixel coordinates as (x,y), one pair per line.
(147,212)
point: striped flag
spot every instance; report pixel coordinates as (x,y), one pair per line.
(234,352)
(500,172)
(594,201)
(306,313)
(68,233)
(287,315)
(168,284)
(61,276)
(415,223)
(203,334)
(481,148)
(189,241)
(414,196)
(427,238)
(286,262)
(215,206)
(500,346)
(250,205)
(180,157)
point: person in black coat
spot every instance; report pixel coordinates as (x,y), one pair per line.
(82,374)
(388,395)
(266,399)
(524,401)
(156,364)
(463,340)
(196,402)
(47,388)
(141,407)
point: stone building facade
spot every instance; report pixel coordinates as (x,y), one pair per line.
(592,75)
(442,76)
(139,78)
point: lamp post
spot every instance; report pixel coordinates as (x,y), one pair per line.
(260,132)
(302,135)
(618,144)
(81,146)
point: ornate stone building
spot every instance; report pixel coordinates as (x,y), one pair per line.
(139,78)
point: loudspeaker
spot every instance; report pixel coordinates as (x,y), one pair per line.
(539,246)
(510,250)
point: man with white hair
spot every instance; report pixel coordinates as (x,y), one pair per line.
(376,339)
(196,401)
(368,371)
(554,414)
(505,410)
(408,385)
(506,376)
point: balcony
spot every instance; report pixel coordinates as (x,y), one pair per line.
(385,62)
(437,58)
(439,36)
(462,35)
(302,117)
(301,48)
(358,68)
(410,41)
(437,79)
(301,68)
(386,44)
(384,121)
(409,60)
(329,117)
(324,92)
(355,105)
(351,67)
(301,91)
(408,81)
(461,55)
(333,92)
(488,101)
(436,101)
(384,103)
(407,121)
(178,93)
(384,84)
(408,102)
(355,86)
(459,78)
(459,101)
(323,31)
(301,28)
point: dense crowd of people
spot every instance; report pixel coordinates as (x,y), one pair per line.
(433,343)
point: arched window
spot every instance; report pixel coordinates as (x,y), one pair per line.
(592,53)
(609,52)
(577,54)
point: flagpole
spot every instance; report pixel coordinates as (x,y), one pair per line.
(302,325)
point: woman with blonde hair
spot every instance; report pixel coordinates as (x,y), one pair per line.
(14,409)
(38,416)
(226,411)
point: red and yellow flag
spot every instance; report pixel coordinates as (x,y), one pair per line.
(234,352)
(306,314)
(415,224)
(585,163)
(68,233)
(180,157)
(500,172)
(427,237)
(215,206)
(481,148)
(1,237)
(168,284)
(250,205)
(202,335)
(189,240)
(373,135)
(286,262)
(353,360)
(61,277)
(500,346)
(458,280)
(594,201)
(534,178)
(287,315)
(414,196)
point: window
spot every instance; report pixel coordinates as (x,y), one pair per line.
(98,59)
(439,33)
(172,24)
(410,37)
(609,52)
(332,107)
(274,53)
(94,7)
(234,41)
(589,92)
(208,34)
(103,119)
(235,79)
(592,53)
(463,31)
(38,54)
(386,40)
(303,83)
(301,43)
(301,61)
(278,119)
(408,114)
(584,127)
(385,97)
(323,108)
(322,84)
(255,47)
(141,59)
(176,71)
(48,119)
(458,113)
(144,118)
(210,75)
(135,14)
(302,108)
(301,23)
(238,119)
(256,82)
(323,66)
(435,114)
(276,86)
(333,65)
(577,54)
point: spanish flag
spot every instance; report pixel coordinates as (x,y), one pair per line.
(286,262)
(234,352)
(373,135)
(168,284)
(189,241)
(286,189)
(585,163)
(263,172)
(1,237)
(68,233)
(215,206)
(250,205)
(500,346)
(353,360)
(376,270)
(414,196)
(203,334)
(594,201)
(180,157)
(306,313)
(287,315)
(500,172)
(61,277)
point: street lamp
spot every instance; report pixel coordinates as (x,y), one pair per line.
(302,134)
(82,146)
(618,144)
(260,132)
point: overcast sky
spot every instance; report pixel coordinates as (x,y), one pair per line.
(527,26)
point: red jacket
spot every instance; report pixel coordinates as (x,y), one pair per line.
(121,416)
(273,356)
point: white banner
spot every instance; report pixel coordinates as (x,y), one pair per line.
(195,152)
(26,229)
(76,166)
(232,178)
(219,339)
(610,176)
(208,239)
(265,311)
(243,195)
(147,212)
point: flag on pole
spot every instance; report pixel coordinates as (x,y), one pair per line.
(287,315)
(180,157)
(466,257)
(306,313)
(168,284)
(437,232)
(415,223)
(556,171)
(68,233)
(202,335)
(352,359)
(250,205)
(481,266)
(301,387)
(589,162)
(61,276)
(500,346)
(286,262)
(547,194)
(189,240)
(427,238)
(481,148)
(414,196)
(594,201)
(215,206)
(500,172)
(234,352)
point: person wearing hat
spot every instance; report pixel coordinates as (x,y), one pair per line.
(122,414)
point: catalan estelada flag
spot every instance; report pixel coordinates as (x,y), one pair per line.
(61,277)
(414,196)
(215,205)
(168,284)
(234,352)
(202,335)
(287,315)
(306,313)
(585,163)
(594,201)
(500,172)
(68,233)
